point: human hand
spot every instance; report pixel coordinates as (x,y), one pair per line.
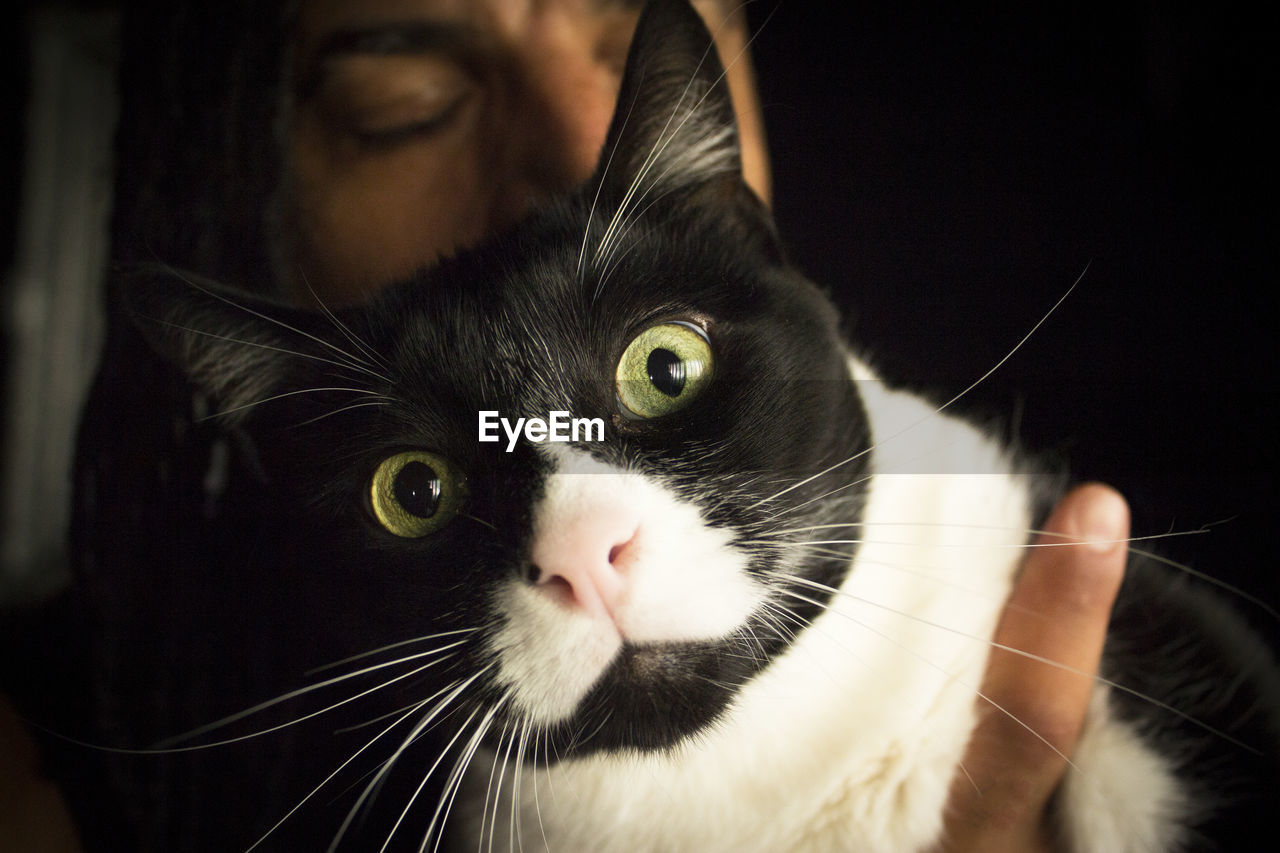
(1058,611)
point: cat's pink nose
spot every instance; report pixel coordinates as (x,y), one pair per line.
(584,559)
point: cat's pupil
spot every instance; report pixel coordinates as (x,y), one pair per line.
(417,489)
(666,371)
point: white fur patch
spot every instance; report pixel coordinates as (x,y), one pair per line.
(682,582)
(850,739)
(1121,796)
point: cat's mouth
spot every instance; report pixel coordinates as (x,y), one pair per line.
(651,696)
(633,620)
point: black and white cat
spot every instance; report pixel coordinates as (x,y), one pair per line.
(747,608)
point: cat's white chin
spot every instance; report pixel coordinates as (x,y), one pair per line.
(676,579)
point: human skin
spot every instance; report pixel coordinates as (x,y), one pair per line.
(416,127)
(1032,713)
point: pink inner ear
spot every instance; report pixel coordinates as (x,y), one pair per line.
(584,558)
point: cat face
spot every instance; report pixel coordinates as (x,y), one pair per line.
(611,591)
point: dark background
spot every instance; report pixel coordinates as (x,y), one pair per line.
(949,175)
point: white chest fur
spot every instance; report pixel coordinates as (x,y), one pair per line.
(850,740)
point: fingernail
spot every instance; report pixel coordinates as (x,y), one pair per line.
(1102,521)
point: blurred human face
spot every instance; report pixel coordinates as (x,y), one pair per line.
(416,127)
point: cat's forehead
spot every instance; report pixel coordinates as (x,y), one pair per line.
(489,331)
(537,298)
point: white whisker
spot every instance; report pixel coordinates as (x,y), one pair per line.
(386,401)
(1096,678)
(515,832)
(391,646)
(339,769)
(362,391)
(454,783)
(418,728)
(271,347)
(372,355)
(938,410)
(665,137)
(940,669)
(497,793)
(351,362)
(1210,579)
(162,748)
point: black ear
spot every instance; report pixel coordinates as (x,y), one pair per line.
(674,126)
(238,349)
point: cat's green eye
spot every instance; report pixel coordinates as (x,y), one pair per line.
(663,369)
(415,493)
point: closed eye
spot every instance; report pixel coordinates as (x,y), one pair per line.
(405,131)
